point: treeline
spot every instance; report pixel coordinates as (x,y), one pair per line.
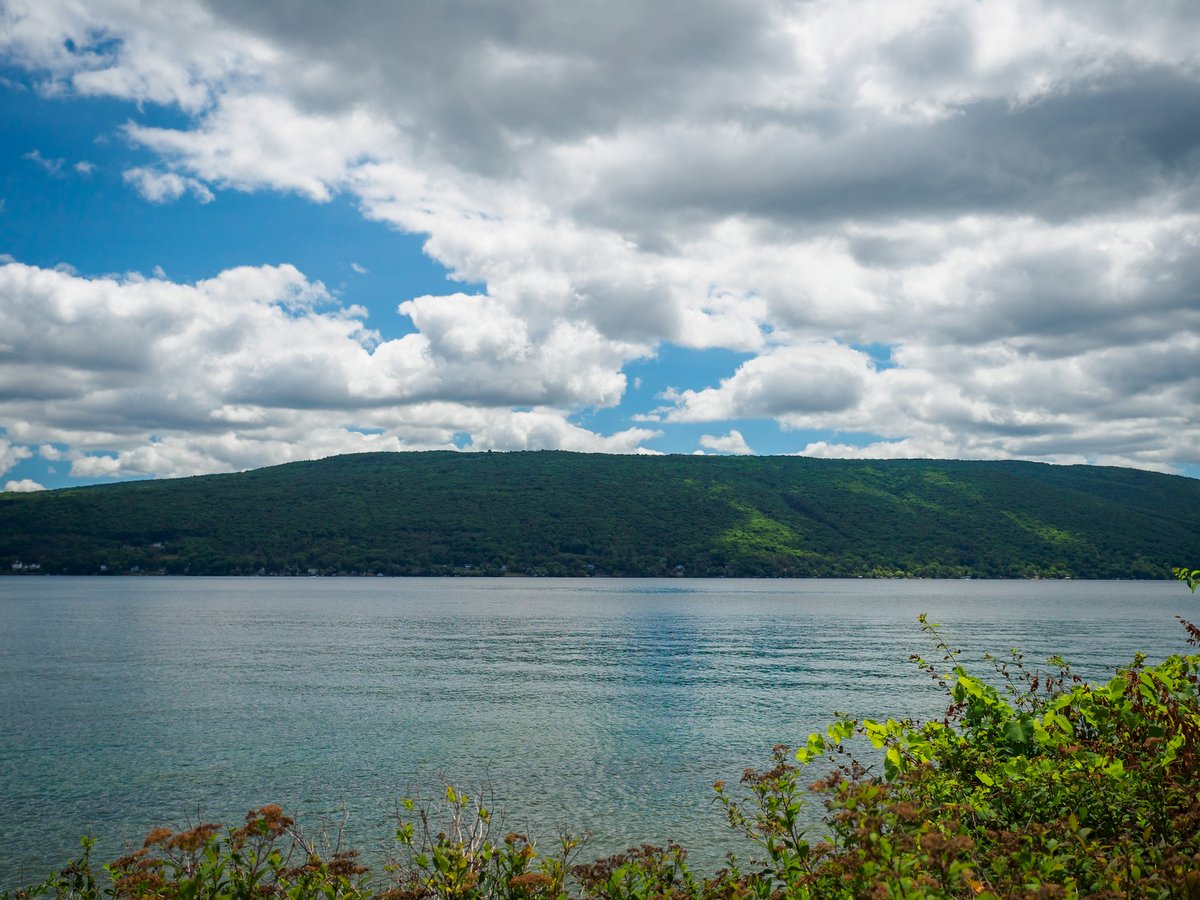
(556,513)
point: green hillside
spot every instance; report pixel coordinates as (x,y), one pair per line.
(554,513)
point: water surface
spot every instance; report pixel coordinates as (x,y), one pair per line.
(605,705)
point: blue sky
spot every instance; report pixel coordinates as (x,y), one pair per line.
(234,236)
(95,223)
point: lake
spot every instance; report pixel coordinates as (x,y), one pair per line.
(605,705)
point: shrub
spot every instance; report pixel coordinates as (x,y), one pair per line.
(1045,787)
(264,857)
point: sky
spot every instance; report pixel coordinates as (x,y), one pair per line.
(239,234)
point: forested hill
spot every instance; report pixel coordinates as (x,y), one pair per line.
(555,513)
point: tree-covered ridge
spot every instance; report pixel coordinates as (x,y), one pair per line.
(556,513)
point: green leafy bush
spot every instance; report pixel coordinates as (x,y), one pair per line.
(1047,786)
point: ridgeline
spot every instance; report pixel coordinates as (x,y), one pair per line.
(556,513)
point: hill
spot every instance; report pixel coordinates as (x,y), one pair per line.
(556,513)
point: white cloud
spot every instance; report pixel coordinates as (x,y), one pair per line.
(56,166)
(163,187)
(11,454)
(24,486)
(814,378)
(545,429)
(732,443)
(260,366)
(171,52)
(253,141)
(1000,194)
(476,349)
(51,166)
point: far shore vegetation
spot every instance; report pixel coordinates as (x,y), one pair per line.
(568,514)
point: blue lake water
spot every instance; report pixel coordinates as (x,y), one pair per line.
(604,705)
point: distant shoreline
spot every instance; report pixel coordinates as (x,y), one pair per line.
(556,514)
(519,575)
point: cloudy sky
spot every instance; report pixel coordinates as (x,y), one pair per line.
(235,234)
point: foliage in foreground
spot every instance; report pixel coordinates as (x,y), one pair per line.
(1190,577)
(1038,785)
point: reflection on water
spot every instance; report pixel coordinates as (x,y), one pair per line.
(605,705)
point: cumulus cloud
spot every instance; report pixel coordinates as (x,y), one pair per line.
(732,443)
(256,140)
(545,429)
(815,378)
(260,365)
(23,486)
(11,454)
(172,53)
(998,196)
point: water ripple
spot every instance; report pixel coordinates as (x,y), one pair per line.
(609,705)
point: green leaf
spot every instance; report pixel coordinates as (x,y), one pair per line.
(814,748)
(894,757)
